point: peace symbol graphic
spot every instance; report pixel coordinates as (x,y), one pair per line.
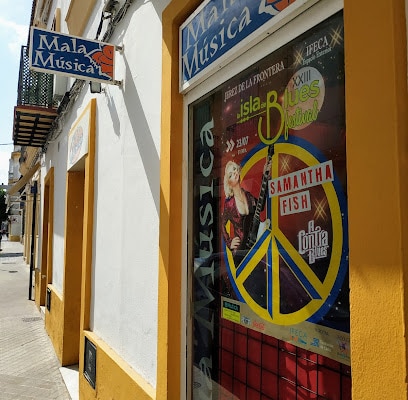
(273,249)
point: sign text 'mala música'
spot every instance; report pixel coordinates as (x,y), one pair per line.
(56,53)
(217,26)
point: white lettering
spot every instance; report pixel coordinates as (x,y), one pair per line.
(315,242)
(302,179)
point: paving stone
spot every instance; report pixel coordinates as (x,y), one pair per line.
(29,368)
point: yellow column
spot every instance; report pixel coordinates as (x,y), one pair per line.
(377,144)
(171,161)
(27,227)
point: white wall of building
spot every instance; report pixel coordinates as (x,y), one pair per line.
(127,189)
(57,152)
(15,225)
(14,164)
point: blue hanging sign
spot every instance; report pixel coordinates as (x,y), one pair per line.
(216,27)
(57,53)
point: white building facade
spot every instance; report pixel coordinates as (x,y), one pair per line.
(135,259)
(107,201)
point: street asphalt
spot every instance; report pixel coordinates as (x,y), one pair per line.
(29,368)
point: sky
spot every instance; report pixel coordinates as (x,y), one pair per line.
(14,26)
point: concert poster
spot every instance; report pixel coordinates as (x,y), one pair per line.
(270,199)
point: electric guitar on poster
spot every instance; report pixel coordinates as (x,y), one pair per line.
(256,227)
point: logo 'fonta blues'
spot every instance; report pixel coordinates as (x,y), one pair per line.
(217,26)
(57,53)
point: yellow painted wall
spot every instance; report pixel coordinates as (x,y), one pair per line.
(114,379)
(377,134)
(43,273)
(54,322)
(37,289)
(73,266)
(171,179)
(376,120)
(63,320)
(62,328)
(27,228)
(375,47)
(14,238)
(78,15)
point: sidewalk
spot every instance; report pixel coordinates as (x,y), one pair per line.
(29,368)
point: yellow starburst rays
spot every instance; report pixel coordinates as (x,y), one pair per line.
(320,212)
(284,165)
(336,37)
(298,58)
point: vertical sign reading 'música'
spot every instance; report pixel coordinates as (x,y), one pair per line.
(56,53)
(219,25)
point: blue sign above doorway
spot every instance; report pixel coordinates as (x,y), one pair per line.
(217,26)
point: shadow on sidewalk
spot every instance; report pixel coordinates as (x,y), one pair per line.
(10,254)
